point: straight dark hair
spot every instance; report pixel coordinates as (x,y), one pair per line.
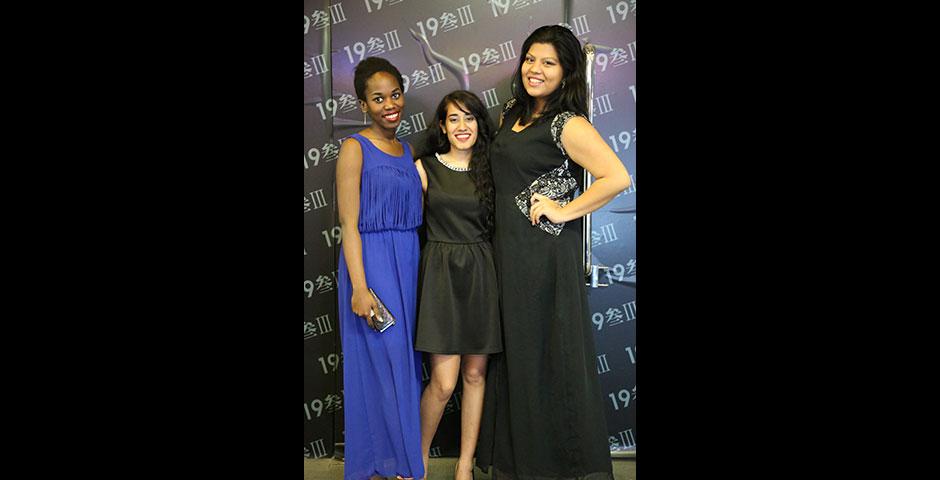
(572,96)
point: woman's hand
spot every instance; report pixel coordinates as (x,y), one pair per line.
(544,206)
(363,304)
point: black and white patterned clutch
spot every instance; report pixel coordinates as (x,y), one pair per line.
(558,185)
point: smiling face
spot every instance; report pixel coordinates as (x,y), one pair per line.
(460,126)
(384,100)
(541,71)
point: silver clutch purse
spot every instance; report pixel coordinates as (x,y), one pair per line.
(381,319)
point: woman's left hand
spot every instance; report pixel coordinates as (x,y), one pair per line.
(544,206)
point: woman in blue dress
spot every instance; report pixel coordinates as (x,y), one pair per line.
(379,200)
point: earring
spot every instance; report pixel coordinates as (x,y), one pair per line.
(562,84)
(365,120)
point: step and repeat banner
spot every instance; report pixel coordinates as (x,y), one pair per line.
(441,46)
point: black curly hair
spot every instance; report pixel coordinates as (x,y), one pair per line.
(480,172)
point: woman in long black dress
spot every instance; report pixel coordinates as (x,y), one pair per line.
(543,415)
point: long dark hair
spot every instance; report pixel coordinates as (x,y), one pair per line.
(570,97)
(480,172)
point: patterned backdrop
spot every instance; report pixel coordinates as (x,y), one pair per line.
(440,46)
